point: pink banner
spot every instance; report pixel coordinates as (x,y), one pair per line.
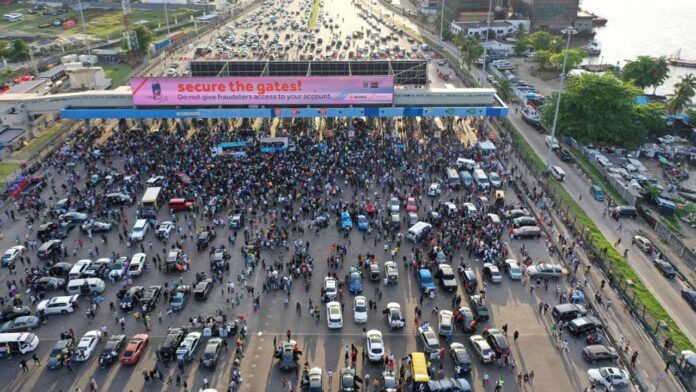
(243,91)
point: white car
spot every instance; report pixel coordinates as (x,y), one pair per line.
(164,229)
(482,348)
(152,181)
(86,346)
(375,345)
(11,255)
(434,190)
(395,318)
(188,347)
(330,288)
(445,325)
(495,180)
(334,316)
(360,309)
(470,209)
(608,376)
(63,304)
(513,269)
(451,208)
(137,264)
(394,205)
(119,268)
(492,272)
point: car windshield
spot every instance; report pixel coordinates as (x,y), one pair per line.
(360,308)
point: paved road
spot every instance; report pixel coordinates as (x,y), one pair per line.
(510,304)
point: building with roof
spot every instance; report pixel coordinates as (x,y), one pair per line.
(548,15)
(478,29)
(37,86)
(54,73)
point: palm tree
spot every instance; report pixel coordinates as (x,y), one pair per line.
(659,72)
(505,90)
(472,53)
(521,31)
(684,91)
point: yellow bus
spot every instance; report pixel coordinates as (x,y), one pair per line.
(419,369)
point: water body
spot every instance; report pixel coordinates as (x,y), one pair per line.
(646,27)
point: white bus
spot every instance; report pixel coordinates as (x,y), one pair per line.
(13,17)
(19,343)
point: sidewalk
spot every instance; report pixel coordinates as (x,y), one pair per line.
(617,322)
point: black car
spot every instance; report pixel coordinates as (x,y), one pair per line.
(597,352)
(212,353)
(49,249)
(112,350)
(462,362)
(584,325)
(50,283)
(690,297)
(204,238)
(202,289)
(497,341)
(468,277)
(666,268)
(12,312)
(58,354)
(479,307)
(132,297)
(150,297)
(563,154)
(445,275)
(64,230)
(97,270)
(175,336)
(60,269)
(46,230)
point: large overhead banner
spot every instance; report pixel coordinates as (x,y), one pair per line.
(244,91)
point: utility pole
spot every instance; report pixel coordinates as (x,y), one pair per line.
(570,31)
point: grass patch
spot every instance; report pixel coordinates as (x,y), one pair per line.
(672,223)
(101,23)
(314,15)
(118,73)
(642,295)
(6,169)
(597,177)
(37,143)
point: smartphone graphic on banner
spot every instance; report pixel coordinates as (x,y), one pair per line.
(156,91)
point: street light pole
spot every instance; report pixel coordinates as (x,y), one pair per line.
(166,15)
(570,31)
(485,42)
(442,20)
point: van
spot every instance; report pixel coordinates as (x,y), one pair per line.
(466,178)
(481,179)
(139,230)
(19,343)
(180,205)
(95,285)
(468,164)
(418,231)
(558,173)
(625,211)
(77,269)
(568,312)
(551,142)
(453,178)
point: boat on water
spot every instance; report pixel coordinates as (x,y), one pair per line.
(593,48)
(678,61)
(531,117)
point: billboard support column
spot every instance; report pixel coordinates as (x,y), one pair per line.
(88,127)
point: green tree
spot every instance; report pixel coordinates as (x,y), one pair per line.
(520,31)
(145,38)
(684,91)
(599,109)
(543,57)
(521,46)
(20,50)
(646,71)
(540,40)
(651,116)
(472,52)
(447,35)
(504,90)
(575,57)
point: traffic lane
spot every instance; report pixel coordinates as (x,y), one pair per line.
(575,183)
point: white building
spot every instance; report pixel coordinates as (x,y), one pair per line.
(499,27)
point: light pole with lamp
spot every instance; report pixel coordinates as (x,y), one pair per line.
(442,21)
(570,31)
(485,42)
(89,48)
(166,16)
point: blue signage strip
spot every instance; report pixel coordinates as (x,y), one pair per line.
(134,113)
